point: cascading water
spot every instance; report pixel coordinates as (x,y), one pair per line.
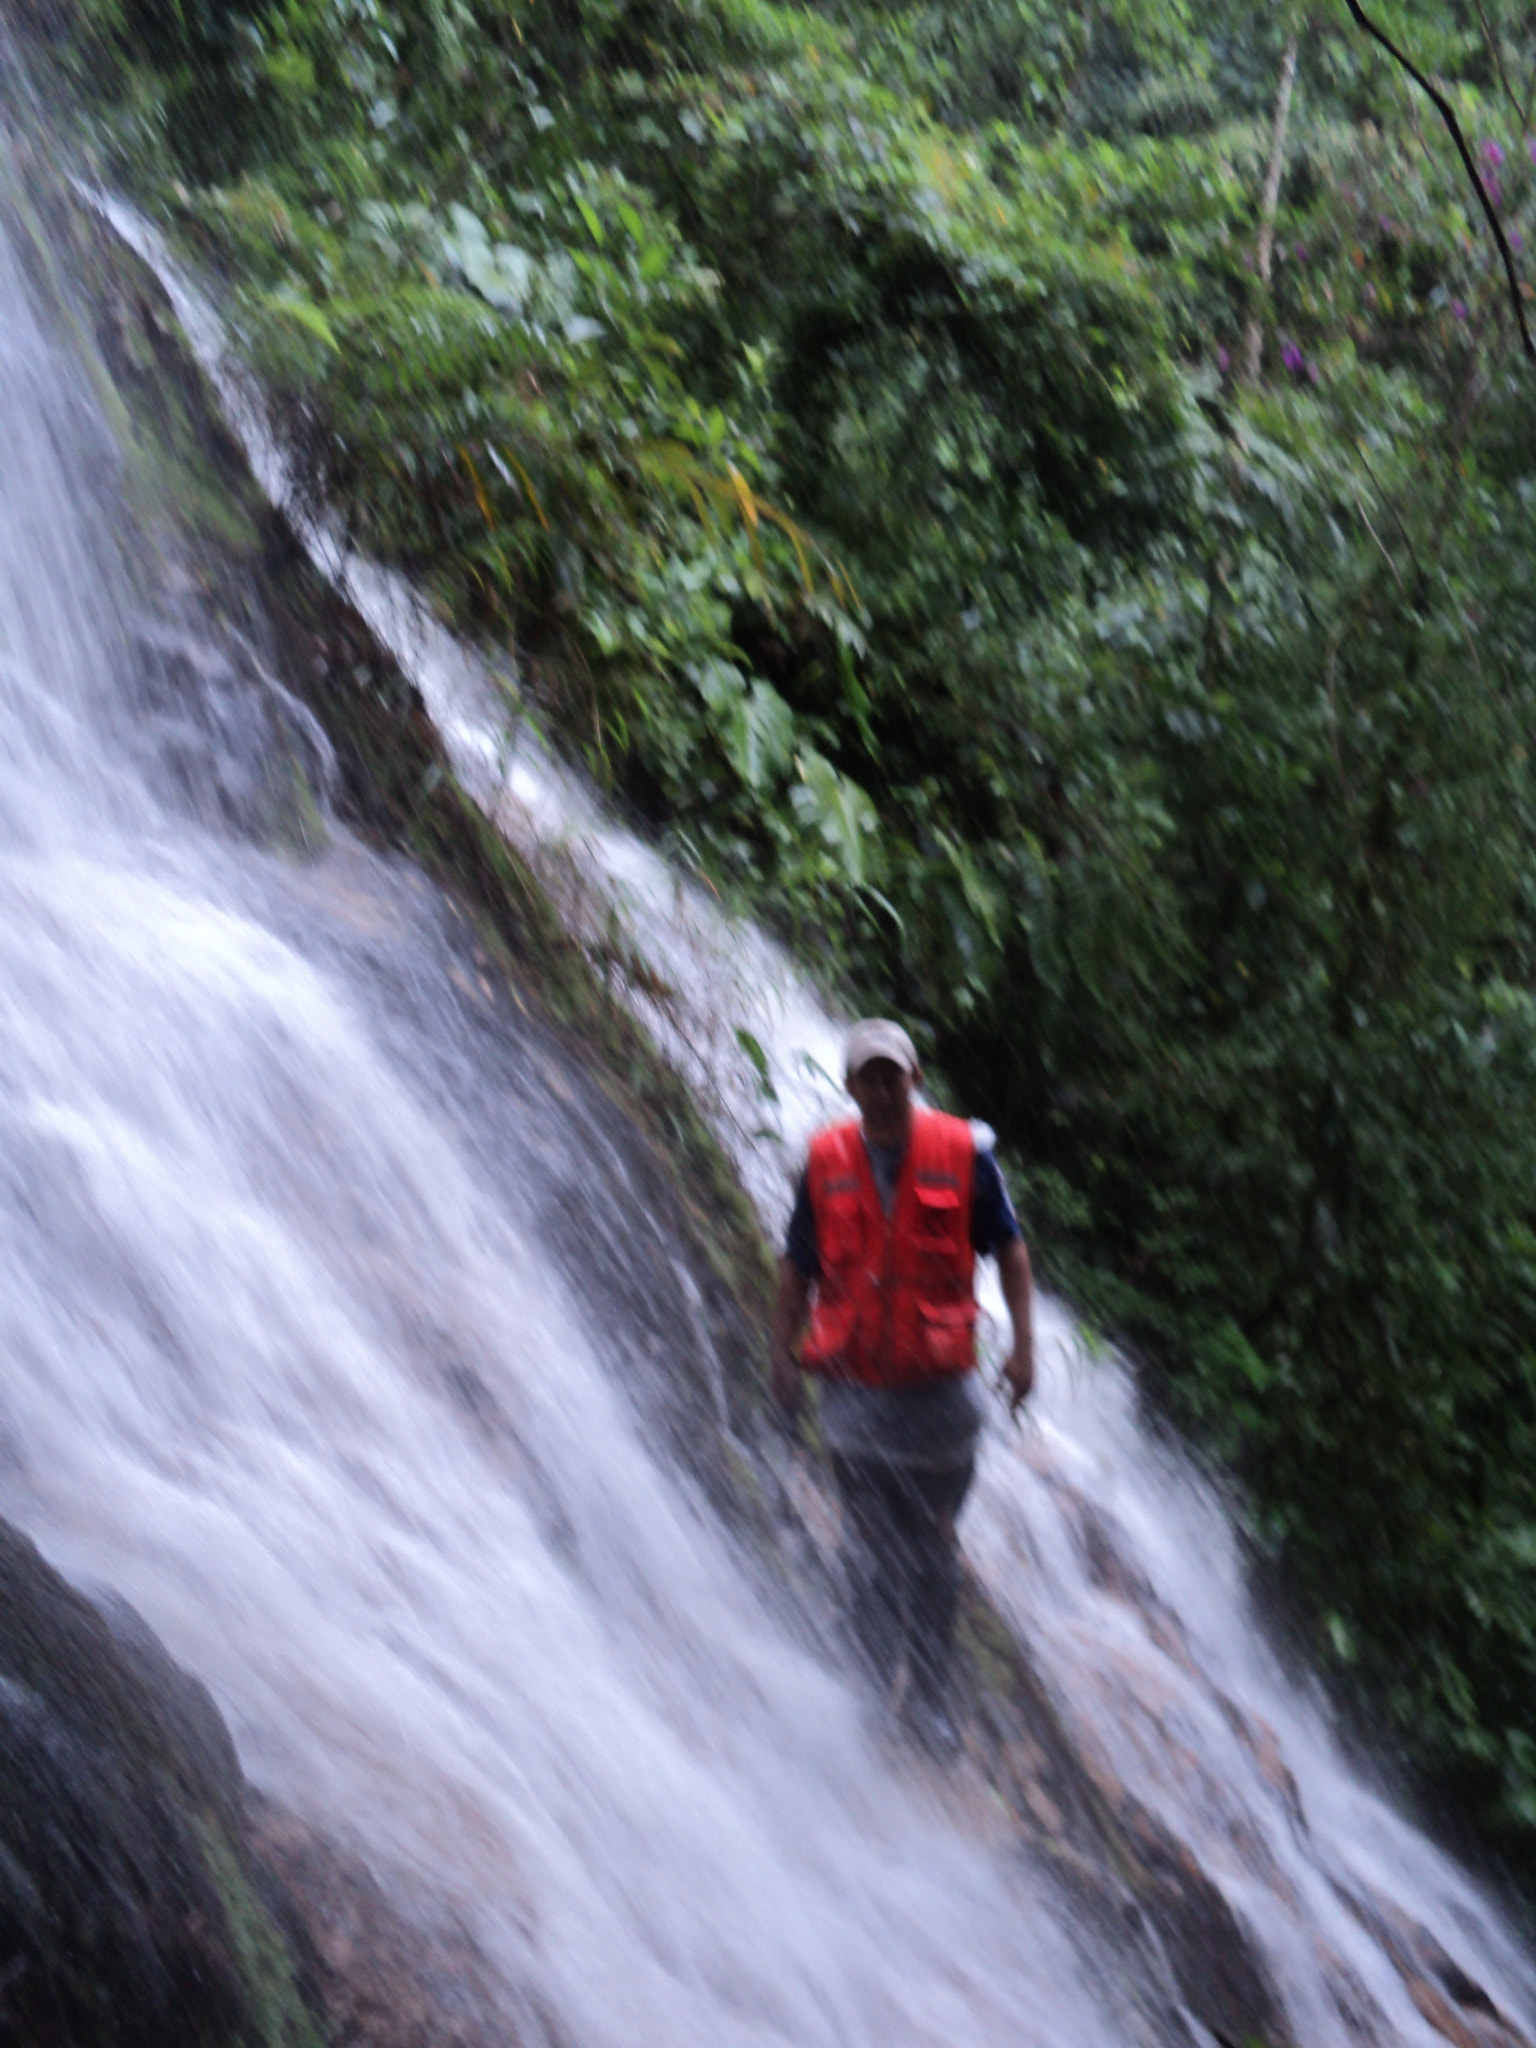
(291,1365)
(287,1365)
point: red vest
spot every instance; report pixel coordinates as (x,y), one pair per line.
(895,1302)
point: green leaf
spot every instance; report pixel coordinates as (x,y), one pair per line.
(759,1059)
(839,811)
(304,313)
(759,736)
(1340,1638)
(719,683)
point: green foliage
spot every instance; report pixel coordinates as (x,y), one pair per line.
(841,413)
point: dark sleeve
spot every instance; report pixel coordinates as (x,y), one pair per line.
(800,1247)
(993,1223)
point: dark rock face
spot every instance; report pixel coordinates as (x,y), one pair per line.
(130,1912)
(150,1899)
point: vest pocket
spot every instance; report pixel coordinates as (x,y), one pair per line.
(831,1330)
(949,1334)
(938,1218)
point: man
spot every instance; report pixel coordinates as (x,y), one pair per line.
(879,1261)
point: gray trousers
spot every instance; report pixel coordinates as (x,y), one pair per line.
(903,1567)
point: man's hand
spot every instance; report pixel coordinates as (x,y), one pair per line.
(789,1308)
(1019,1293)
(1018,1377)
(787,1386)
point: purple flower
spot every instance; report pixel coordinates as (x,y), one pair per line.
(1493,188)
(1291,356)
(1459,308)
(1493,155)
(1530,149)
(1299,252)
(1223,360)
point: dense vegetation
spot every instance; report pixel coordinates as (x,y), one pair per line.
(1038,505)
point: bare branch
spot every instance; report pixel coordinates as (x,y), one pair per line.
(1448,116)
(1496,51)
(1253,339)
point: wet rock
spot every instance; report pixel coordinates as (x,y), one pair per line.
(1451,2001)
(149,1898)
(1143,1886)
(388,1980)
(131,1915)
(225,739)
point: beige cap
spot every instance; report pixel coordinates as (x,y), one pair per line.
(877,1038)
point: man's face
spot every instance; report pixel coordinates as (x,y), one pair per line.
(883,1091)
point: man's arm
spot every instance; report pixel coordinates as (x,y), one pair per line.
(1013,1270)
(789,1311)
(995,1230)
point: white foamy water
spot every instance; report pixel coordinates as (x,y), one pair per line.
(585,1720)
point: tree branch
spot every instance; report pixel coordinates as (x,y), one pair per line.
(1447,115)
(1253,339)
(1496,51)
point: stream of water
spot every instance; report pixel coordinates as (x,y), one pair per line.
(264,1217)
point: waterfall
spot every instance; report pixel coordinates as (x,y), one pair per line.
(288,1364)
(291,1366)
